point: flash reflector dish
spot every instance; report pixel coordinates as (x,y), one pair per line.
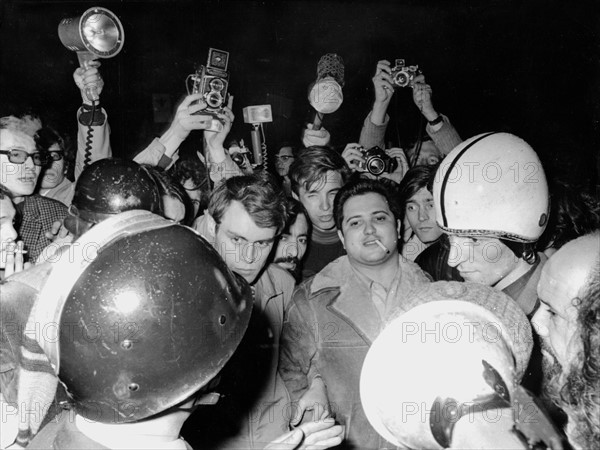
(97,31)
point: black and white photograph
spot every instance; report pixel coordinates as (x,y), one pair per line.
(299,224)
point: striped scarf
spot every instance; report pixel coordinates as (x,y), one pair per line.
(30,384)
(37,382)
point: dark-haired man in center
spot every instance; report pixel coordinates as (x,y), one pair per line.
(316,176)
(335,315)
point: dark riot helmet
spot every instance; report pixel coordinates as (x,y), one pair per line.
(108,187)
(147,316)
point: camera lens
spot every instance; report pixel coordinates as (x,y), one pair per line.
(216,84)
(214,99)
(375,166)
(401,78)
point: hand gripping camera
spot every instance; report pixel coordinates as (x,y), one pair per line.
(403,75)
(378,162)
(212,80)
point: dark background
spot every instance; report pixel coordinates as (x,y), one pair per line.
(529,67)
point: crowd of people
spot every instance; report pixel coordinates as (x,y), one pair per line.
(200,300)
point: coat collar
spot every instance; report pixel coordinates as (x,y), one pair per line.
(353,304)
(269,294)
(265,286)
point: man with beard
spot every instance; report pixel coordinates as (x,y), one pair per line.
(244,218)
(568,323)
(293,240)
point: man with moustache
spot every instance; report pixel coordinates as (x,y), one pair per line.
(335,316)
(245,216)
(568,323)
(294,239)
(20,167)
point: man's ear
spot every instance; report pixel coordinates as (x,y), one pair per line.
(295,196)
(399,228)
(341,236)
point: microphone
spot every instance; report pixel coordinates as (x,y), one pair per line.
(97,33)
(325,93)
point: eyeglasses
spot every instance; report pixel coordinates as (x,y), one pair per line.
(17,156)
(56,155)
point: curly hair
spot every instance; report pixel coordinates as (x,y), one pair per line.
(573,213)
(27,124)
(190,169)
(295,208)
(580,395)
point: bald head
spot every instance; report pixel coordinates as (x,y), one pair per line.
(568,271)
(568,324)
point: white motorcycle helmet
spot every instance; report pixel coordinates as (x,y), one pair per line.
(492,185)
(443,359)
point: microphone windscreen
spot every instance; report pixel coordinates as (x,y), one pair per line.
(326,95)
(331,65)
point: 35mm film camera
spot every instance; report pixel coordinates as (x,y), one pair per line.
(378,161)
(212,80)
(403,75)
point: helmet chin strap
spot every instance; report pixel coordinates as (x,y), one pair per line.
(205,396)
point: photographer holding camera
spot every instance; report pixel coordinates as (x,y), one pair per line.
(387,78)
(375,162)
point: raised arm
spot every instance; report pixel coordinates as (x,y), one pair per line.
(220,164)
(439,128)
(163,151)
(93,131)
(375,124)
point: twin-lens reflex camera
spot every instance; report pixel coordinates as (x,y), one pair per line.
(212,81)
